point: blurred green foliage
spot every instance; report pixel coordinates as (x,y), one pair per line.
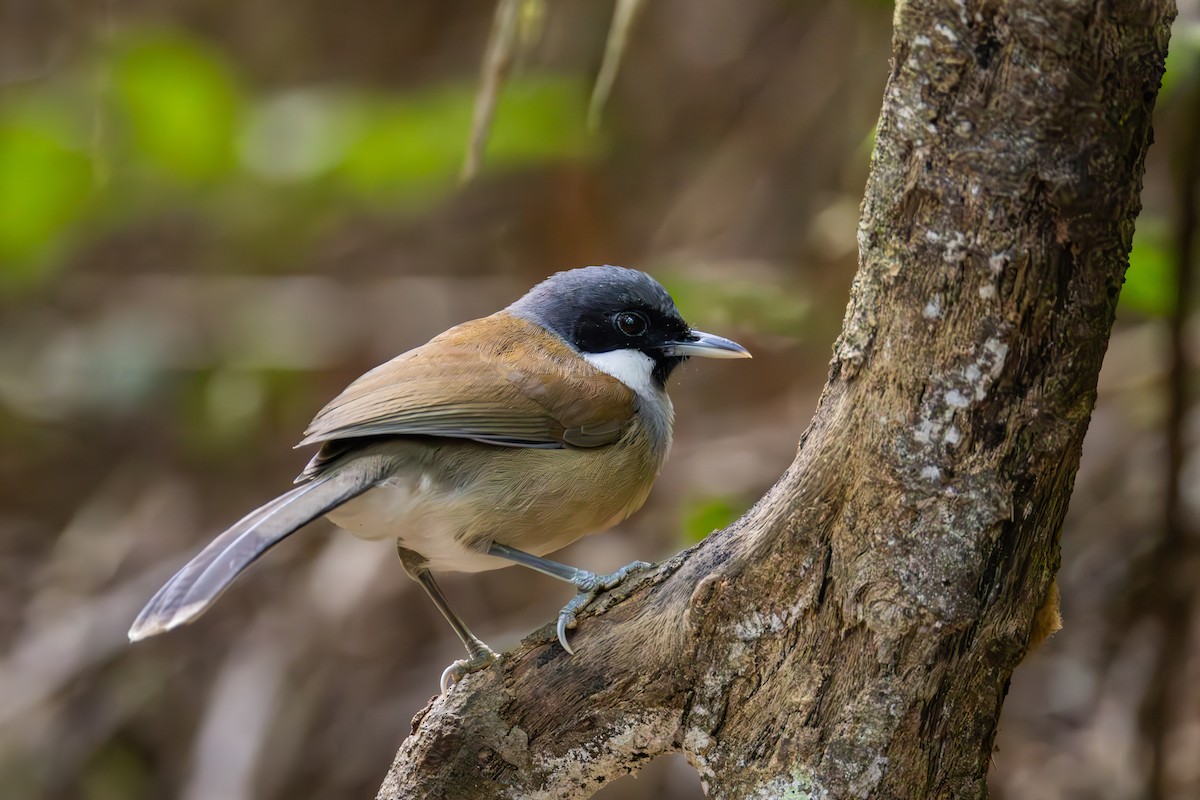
(414,146)
(749,303)
(1150,281)
(45,184)
(180,105)
(702,517)
(158,120)
(1183,60)
(116,772)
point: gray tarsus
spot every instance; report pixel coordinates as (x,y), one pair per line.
(589,584)
(479,655)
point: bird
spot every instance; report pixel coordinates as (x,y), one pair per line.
(498,442)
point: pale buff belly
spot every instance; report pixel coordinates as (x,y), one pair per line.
(449,509)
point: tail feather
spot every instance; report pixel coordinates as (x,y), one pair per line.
(198,585)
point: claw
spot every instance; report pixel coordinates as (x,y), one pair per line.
(465,666)
(452,674)
(565,621)
(590,585)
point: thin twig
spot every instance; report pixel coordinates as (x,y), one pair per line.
(624,15)
(497,60)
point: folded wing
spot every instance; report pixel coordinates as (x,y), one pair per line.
(499,380)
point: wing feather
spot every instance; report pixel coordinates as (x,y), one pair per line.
(499,380)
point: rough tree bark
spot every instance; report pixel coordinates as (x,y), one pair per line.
(854,634)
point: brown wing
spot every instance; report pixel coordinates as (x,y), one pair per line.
(479,381)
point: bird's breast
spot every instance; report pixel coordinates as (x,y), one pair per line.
(449,501)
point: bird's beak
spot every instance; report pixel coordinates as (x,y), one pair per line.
(707,345)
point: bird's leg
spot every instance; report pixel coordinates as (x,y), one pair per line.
(479,655)
(589,584)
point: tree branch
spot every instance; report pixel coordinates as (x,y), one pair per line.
(854,633)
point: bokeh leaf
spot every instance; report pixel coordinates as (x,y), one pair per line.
(1150,281)
(702,517)
(181,104)
(1183,59)
(45,183)
(414,145)
(747,304)
(538,119)
(407,144)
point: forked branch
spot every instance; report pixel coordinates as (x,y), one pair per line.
(853,635)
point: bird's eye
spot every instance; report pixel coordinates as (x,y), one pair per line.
(631,323)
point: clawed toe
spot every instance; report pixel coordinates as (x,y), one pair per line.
(566,620)
(464,667)
(590,585)
(613,580)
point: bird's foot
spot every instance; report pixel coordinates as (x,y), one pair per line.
(480,659)
(590,585)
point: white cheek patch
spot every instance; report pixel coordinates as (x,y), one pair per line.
(631,367)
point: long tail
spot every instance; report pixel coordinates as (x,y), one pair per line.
(198,585)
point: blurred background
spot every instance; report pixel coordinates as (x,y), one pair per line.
(214,214)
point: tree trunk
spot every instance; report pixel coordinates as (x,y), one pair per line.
(854,634)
